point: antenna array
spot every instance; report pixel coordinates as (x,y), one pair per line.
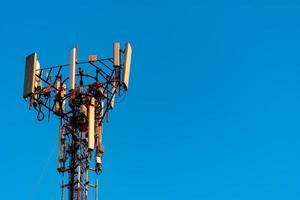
(80,94)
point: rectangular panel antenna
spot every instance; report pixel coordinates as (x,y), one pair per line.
(29,79)
(98,136)
(72,77)
(91,131)
(127,62)
(117,60)
(116,54)
(83,109)
(38,81)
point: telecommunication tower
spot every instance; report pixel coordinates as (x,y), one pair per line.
(81,94)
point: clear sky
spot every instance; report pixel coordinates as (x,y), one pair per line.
(213,108)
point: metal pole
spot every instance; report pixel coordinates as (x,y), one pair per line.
(87,184)
(78,184)
(62,189)
(72,171)
(97,188)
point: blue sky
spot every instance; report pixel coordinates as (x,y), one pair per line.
(213,108)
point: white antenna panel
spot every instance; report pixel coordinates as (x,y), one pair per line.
(91,131)
(29,79)
(99,132)
(127,62)
(38,66)
(98,160)
(38,71)
(57,106)
(58,86)
(72,77)
(102,108)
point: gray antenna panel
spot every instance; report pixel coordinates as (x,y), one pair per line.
(127,62)
(29,79)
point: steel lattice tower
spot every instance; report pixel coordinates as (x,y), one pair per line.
(81,95)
